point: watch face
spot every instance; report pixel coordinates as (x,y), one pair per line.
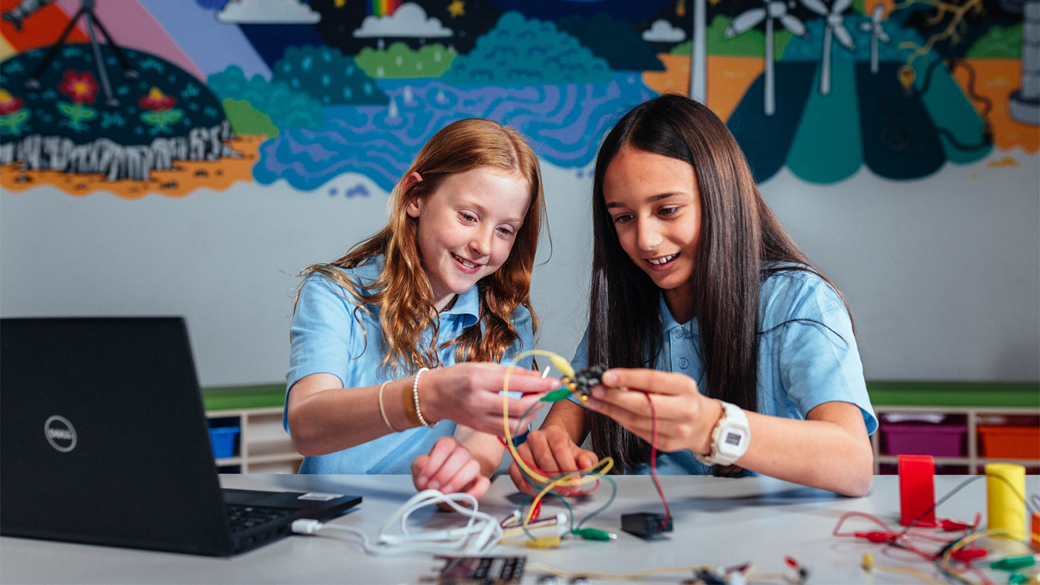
(732,442)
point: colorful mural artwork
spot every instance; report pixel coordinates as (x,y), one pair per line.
(149,96)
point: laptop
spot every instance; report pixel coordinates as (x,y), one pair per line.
(104,440)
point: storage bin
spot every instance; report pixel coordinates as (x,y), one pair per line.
(934,440)
(223,441)
(1009,442)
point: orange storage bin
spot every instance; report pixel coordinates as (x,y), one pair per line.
(1009,442)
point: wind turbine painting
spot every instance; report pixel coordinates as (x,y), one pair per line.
(773,10)
(835,28)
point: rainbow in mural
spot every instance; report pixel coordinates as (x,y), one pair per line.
(383,7)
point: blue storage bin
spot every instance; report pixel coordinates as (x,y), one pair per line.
(223,441)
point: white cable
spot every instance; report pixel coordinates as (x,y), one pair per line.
(480,534)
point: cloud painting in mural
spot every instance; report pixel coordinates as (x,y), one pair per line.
(267,12)
(467,19)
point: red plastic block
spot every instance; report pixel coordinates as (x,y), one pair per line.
(1035,530)
(917,490)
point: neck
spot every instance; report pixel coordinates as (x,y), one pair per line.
(680,303)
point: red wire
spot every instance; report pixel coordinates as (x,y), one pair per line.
(653,460)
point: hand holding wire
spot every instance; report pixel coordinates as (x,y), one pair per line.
(685,417)
(468,394)
(552,451)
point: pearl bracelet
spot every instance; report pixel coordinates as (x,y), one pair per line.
(415,398)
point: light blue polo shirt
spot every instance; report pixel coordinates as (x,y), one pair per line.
(327,339)
(807,355)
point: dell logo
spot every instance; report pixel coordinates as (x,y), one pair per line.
(60,433)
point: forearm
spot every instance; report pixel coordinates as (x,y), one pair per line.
(334,419)
(486,449)
(817,453)
(568,416)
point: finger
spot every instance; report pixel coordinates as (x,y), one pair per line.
(637,423)
(527,382)
(586,459)
(518,478)
(462,478)
(418,465)
(478,487)
(560,446)
(454,463)
(646,380)
(442,449)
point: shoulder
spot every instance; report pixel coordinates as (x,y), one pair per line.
(329,281)
(792,292)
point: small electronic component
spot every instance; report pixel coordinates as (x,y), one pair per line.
(645,524)
(479,571)
(583,381)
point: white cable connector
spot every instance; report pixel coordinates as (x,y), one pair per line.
(480,534)
(305,526)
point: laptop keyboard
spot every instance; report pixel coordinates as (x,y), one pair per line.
(242,518)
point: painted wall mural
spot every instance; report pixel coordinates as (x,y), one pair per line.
(150,96)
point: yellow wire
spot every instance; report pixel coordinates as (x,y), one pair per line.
(573,479)
(562,365)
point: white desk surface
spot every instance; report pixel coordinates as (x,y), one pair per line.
(717,521)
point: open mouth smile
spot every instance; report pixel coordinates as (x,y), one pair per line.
(469,266)
(662,262)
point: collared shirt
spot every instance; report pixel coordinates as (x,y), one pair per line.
(330,337)
(807,355)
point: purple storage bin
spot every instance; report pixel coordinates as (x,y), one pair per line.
(924,439)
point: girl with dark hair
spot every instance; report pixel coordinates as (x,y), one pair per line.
(400,333)
(716,328)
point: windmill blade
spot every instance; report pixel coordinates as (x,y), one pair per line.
(877,13)
(842,34)
(882,35)
(794,25)
(840,6)
(747,20)
(816,6)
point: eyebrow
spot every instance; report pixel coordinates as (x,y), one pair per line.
(653,199)
(484,210)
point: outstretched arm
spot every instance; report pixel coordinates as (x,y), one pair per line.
(828,450)
(324,417)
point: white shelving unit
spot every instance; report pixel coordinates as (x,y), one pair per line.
(263,445)
(973,459)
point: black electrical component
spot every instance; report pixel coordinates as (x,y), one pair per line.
(645,524)
(584,379)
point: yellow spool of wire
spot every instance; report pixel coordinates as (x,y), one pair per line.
(1005,498)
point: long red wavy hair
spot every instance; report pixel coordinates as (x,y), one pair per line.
(402,291)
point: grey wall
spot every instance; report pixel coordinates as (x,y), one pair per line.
(943,274)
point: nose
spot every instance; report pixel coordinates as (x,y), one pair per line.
(481,242)
(647,235)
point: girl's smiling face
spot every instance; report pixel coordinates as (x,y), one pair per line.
(467,227)
(655,206)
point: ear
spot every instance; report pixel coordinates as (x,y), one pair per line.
(414,205)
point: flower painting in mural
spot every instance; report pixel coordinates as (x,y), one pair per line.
(81,88)
(161,112)
(13,114)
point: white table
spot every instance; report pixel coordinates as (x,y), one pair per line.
(717,522)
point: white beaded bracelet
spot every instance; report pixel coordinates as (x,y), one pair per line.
(415,398)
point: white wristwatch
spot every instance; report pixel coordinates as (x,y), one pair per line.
(729,438)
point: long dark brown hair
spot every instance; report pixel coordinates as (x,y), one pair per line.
(403,292)
(741,243)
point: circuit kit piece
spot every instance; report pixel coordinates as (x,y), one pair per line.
(583,381)
(479,571)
